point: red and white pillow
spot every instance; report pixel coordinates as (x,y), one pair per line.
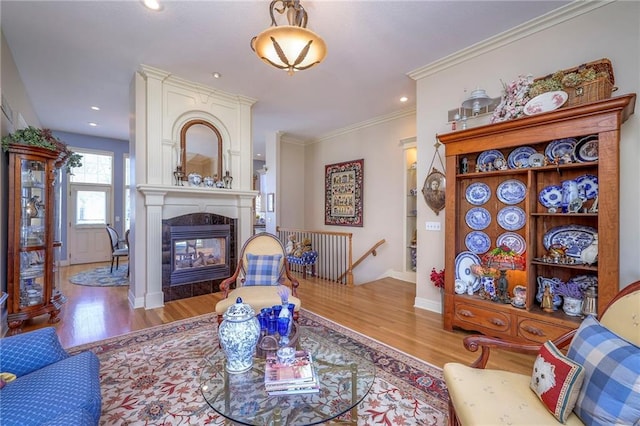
(556,380)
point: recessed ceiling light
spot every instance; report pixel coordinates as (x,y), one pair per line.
(95,108)
(152,4)
(404,99)
(216,75)
(92,124)
(259,155)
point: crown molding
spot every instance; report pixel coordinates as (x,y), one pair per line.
(367,123)
(541,23)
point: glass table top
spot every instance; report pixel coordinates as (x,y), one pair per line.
(345,379)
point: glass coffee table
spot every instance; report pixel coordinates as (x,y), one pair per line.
(345,379)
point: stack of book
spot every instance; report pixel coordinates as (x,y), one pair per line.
(298,376)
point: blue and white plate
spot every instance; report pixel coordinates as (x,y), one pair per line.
(574,237)
(512,240)
(586,150)
(477,242)
(584,281)
(478,218)
(551,196)
(488,157)
(511,191)
(590,185)
(560,147)
(519,157)
(464,261)
(511,218)
(478,193)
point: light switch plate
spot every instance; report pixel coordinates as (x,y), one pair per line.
(433,226)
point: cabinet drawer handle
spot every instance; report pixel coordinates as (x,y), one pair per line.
(496,321)
(533,330)
(466,313)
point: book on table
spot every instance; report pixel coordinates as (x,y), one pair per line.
(299,376)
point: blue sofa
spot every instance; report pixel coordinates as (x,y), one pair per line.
(52,387)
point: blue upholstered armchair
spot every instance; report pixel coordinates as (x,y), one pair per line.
(52,387)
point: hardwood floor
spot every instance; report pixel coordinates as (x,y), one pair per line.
(382,310)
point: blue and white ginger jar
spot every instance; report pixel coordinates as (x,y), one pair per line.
(239,333)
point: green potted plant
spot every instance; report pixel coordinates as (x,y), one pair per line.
(43,138)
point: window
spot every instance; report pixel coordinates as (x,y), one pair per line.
(96,168)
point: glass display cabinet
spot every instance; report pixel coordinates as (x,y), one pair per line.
(34,246)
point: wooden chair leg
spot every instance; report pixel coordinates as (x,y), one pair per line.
(111,272)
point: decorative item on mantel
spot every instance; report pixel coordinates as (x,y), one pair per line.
(238,334)
(227,180)
(504,259)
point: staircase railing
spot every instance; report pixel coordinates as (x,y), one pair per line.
(371,251)
(335,256)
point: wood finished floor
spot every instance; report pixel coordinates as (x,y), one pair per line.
(382,310)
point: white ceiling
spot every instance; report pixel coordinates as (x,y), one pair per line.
(75,54)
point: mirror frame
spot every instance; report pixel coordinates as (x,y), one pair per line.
(183,144)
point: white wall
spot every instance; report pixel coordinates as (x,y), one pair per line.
(20,112)
(377,143)
(611,31)
(292,179)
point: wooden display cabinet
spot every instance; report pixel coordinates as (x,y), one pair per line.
(33,247)
(531,323)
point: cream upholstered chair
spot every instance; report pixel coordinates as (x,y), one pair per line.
(119,247)
(479,396)
(262,267)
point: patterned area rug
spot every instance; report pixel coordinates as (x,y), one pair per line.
(101,277)
(151,377)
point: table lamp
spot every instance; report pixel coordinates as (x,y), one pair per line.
(504,259)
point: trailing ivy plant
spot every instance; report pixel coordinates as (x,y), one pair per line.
(43,138)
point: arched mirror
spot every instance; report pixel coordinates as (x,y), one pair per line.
(201,147)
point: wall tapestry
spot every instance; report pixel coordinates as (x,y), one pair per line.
(343,193)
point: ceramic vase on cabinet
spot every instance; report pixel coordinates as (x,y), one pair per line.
(239,333)
(572,306)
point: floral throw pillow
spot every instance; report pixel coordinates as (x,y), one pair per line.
(556,380)
(262,269)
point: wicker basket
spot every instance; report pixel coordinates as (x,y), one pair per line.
(591,91)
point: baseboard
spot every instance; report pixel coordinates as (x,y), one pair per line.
(429,305)
(409,276)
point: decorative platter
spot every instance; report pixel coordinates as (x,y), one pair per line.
(586,149)
(511,218)
(477,242)
(590,185)
(551,196)
(478,218)
(545,102)
(536,160)
(512,240)
(478,193)
(519,157)
(574,237)
(584,281)
(488,157)
(511,191)
(464,261)
(559,147)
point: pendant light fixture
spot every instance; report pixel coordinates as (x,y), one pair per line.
(289,47)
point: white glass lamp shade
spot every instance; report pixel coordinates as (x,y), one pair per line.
(289,47)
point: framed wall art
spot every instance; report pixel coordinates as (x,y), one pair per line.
(343,193)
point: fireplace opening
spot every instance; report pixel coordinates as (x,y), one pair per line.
(199,253)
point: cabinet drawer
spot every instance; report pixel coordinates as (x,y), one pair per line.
(539,331)
(470,317)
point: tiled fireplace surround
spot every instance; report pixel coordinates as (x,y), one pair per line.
(162,104)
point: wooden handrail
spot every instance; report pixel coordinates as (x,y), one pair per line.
(371,251)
